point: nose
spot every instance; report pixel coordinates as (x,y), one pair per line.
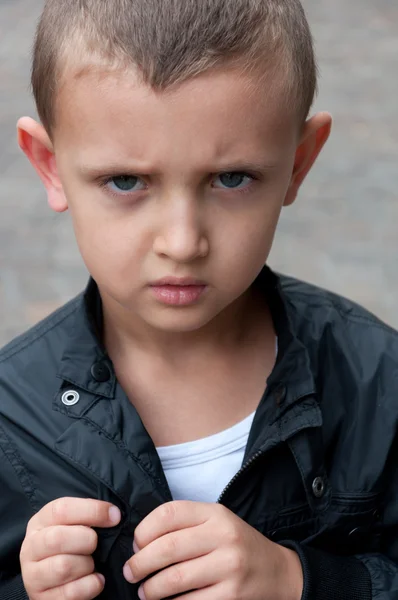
(181,235)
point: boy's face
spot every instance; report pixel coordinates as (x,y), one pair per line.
(186,183)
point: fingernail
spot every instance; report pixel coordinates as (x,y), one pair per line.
(101,578)
(141,594)
(135,547)
(128,574)
(114,515)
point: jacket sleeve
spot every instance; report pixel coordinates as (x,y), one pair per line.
(15,512)
(360,577)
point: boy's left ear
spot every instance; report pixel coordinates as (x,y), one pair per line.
(315,134)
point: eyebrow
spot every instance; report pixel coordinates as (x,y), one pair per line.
(117,169)
(245,165)
(109,168)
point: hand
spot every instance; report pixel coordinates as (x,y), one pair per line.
(205,552)
(56,561)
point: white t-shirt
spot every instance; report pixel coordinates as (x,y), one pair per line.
(201,469)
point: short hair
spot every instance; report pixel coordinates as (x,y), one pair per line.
(170,41)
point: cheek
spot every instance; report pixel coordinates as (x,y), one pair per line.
(246,243)
(108,242)
(249,235)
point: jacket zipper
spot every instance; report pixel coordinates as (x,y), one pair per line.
(247,464)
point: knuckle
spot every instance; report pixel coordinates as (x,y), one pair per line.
(61,567)
(89,565)
(88,587)
(135,566)
(23,554)
(35,521)
(53,539)
(232,536)
(69,592)
(100,510)
(32,524)
(30,542)
(236,561)
(167,512)
(59,510)
(139,538)
(176,578)
(91,539)
(170,547)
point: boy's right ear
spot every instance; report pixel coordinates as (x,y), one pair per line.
(36,144)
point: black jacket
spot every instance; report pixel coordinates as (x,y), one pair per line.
(321,467)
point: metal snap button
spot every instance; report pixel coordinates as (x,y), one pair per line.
(318,487)
(100,372)
(70,398)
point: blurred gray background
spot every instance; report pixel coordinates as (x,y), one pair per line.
(342,232)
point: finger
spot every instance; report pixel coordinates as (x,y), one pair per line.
(76,511)
(174,547)
(60,539)
(85,588)
(172,516)
(181,578)
(57,571)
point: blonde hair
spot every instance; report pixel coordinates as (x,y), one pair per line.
(170,41)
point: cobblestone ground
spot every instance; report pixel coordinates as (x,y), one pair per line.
(341,234)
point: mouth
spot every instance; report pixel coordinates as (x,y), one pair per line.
(178,282)
(178,291)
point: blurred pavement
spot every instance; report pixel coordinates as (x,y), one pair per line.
(341,233)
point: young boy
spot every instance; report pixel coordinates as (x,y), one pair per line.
(192,425)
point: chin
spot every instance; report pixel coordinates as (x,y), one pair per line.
(180,322)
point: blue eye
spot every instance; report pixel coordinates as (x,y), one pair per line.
(125,183)
(234,180)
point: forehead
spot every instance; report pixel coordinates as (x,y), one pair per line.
(112,111)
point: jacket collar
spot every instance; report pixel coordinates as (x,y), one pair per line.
(288,404)
(85,362)
(292,375)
